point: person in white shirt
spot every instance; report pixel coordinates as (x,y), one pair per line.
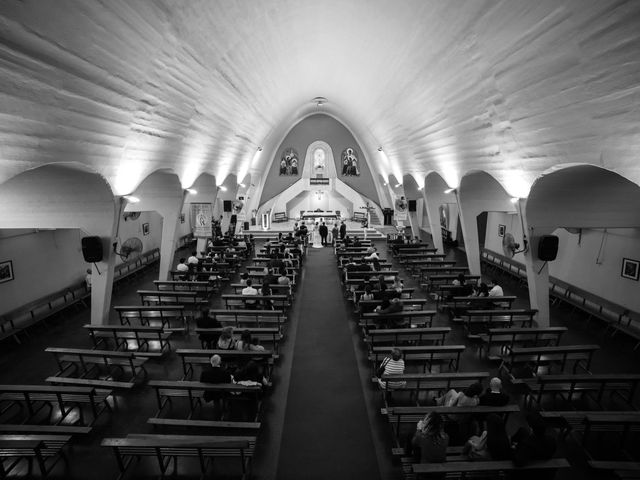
(371,254)
(249,290)
(495,290)
(193,259)
(182,266)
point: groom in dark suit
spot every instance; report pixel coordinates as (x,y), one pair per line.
(343,231)
(324,233)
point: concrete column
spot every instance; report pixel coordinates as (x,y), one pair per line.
(453,220)
(433,212)
(102,283)
(537,275)
(469,224)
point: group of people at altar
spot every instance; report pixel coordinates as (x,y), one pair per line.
(321,235)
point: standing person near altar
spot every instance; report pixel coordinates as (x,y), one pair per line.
(324,232)
(343,230)
(316,236)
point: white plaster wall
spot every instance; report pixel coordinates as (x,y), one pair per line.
(310,202)
(592,265)
(44,262)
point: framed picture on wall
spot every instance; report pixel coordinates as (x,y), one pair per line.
(182,218)
(6,271)
(501,230)
(145,229)
(630,269)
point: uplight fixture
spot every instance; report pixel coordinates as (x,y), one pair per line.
(131,199)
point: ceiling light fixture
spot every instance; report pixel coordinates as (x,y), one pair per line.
(319,101)
(379,149)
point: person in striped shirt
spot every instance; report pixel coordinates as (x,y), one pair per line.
(393,365)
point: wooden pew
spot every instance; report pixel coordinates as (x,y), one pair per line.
(624,470)
(446,279)
(46,450)
(271,335)
(58,400)
(146,315)
(517,336)
(276,289)
(557,356)
(487,319)
(165,448)
(193,392)
(624,385)
(250,318)
(122,335)
(415,383)
(262,261)
(205,289)
(406,293)
(82,363)
(192,301)
(399,336)
(425,355)
(211,426)
(419,318)
(232,300)
(400,417)
(408,304)
(192,357)
(507,466)
(461,304)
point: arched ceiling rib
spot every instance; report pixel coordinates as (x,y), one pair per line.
(512,87)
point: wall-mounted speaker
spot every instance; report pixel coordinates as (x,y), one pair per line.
(548,248)
(92,249)
(227,205)
(413,205)
(234,219)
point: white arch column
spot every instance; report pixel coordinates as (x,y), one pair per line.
(162,192)
(434,195)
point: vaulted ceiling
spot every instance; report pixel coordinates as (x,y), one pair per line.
(511,87)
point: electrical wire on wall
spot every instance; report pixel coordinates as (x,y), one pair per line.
(599,257)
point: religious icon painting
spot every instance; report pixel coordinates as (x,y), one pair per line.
(289,162)
(350,162)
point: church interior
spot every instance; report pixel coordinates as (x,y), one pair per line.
(365,218)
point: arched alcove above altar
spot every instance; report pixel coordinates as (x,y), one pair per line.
(344,158)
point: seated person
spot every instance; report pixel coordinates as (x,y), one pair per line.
(226,340)
(193,259)
(215,374)
(495,290)
(392,306)
(393,365)
(283,279)
(266,291)
(533,443)
(249,291)
(244,276)
(430,441)
(492,444)
(182,267)
(371,254)
(494,396)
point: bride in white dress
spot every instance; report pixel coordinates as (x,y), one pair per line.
(317,241)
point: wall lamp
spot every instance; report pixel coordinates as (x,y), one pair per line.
(131,198)
(398,185)
(514,199)
(223,188)
(379,149)
(192,191)
(241,185)
(450,190)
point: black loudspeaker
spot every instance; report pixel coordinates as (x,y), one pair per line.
(226,205)
(548,248)
(246,225)
(92,249)
(234,219)
(413,207)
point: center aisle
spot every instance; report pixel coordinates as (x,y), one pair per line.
(326,432)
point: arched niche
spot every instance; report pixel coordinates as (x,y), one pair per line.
(604,207)
(480,192)
(161,191)
(65,196)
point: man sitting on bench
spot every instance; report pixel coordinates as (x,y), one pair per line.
(250,291)
(215,374)
(494,396)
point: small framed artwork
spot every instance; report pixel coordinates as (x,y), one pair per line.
(501,230)
(630,269)
(145,229)
(182,218)
(6,271)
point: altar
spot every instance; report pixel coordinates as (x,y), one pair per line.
(319,216)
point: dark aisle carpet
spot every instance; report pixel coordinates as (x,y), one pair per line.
(326,433)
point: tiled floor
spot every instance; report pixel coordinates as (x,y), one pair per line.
(28,363)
